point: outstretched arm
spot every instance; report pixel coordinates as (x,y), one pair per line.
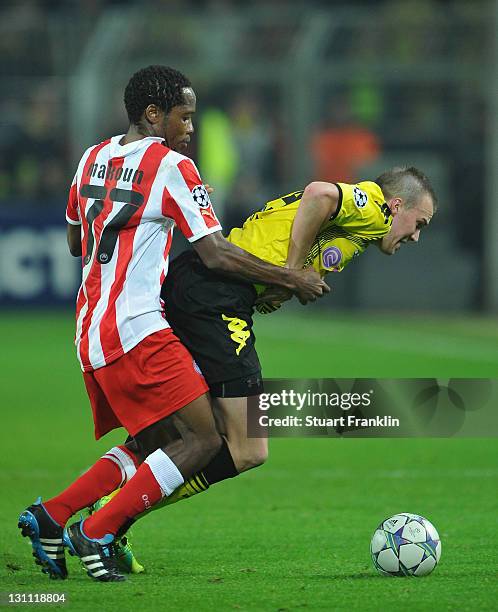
(217,253)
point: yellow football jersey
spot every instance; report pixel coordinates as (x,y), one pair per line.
(362,217)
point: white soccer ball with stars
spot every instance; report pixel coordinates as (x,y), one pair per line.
(405,545)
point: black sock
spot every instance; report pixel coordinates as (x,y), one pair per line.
(221,466)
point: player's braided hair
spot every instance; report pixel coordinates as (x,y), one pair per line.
(158,85)
(407,182)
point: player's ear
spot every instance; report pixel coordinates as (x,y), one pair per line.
(153,114)
(395,205)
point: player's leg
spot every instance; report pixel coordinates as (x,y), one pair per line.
(164,468)
(159,380)
(110,472)
(153,380)
(160,474)
(238,452)
(246,452)
(212,316)
(43,523)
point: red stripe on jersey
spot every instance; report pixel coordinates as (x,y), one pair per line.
(209,216)
(109,334)
(171,209)
(192,179)
(82,298)
(72,203)
(93,282)
(189,173)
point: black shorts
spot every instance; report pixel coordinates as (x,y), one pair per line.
(212,316)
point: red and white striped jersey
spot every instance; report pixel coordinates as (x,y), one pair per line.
(128,200)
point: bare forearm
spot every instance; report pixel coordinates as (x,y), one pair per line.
(238,263)
(318,204)
(219,254)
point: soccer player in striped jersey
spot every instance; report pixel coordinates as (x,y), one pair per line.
(325,227)
(127,195)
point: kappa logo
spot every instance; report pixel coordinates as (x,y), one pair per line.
(201,196)
(360,197)
(239,334)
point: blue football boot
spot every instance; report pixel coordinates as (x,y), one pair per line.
(46,539)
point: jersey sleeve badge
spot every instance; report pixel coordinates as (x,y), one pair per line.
(201,197)
(331,257)
(360,197)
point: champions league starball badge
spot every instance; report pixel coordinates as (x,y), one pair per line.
(360,197)
(331,257)
(201,196)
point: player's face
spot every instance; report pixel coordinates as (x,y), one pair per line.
(407,224)
(178,126)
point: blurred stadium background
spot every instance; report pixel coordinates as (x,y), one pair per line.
(287,92)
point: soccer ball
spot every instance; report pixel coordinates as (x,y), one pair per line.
(405,545)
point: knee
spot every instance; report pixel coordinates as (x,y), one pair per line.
(250,457)
(259,456)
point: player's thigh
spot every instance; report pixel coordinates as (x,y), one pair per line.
(200,436)
(195,421)
(198,417)
(231,415)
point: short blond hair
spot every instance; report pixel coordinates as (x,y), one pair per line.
(406,182)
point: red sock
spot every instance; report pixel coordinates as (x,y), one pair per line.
(139,494)
(110,471)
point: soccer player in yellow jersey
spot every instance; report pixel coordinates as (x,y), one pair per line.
(299,229)
(361,216)
(325,226)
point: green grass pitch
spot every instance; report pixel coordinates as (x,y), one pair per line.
(293,535)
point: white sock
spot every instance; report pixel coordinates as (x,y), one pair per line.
(164,471)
